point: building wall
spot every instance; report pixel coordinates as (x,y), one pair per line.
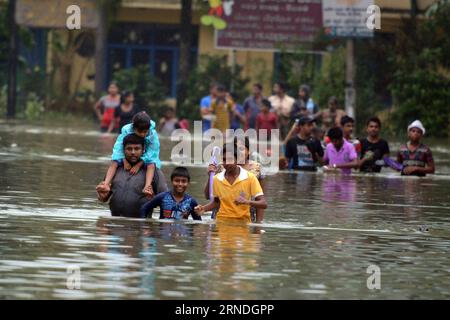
(258,66)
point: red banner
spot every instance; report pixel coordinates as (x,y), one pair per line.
(268,24)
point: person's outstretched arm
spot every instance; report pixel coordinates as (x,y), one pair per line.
(192,212)
(259,215)
(290,133)
(111,172)
(349,165)
(118,154)
(103,192)
(208,207)
(148,189)
(147,209)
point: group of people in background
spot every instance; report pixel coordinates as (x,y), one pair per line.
(313,137)
(134,184)
(116,109)
(221,111)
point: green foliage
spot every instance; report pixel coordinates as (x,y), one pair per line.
(148,90)
(373,77)
(263,75)
(325,75)
(3,100)
(422,79)
(330,81)
(25,36)
(34,107)
(211,69)
(4,34)
(32,80)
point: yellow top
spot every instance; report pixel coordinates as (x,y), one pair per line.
(222,110)
(246,185)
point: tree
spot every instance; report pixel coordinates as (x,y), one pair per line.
(12,60)
(422,77)
(185,50)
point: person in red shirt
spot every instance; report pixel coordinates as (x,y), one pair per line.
(266,119)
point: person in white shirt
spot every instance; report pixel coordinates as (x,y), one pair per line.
(282,105)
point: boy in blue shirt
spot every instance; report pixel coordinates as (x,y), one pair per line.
(175,204)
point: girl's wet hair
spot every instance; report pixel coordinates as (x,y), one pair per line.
(141,121)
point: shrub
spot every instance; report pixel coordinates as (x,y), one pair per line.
(422,79)
(34,107)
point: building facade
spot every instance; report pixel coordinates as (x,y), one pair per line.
(148,32)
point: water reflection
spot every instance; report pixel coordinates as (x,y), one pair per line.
(321,232)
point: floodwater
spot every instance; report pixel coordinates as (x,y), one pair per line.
(321,232)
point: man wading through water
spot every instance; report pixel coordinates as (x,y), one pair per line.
(125,193)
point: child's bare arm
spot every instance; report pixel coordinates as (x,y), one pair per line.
(259,215)
(210,206)
(111,172)
(148,189)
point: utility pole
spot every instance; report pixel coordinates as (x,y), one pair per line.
(12,60)
(184,65)
(233,69)
(350,92)
(100,47)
